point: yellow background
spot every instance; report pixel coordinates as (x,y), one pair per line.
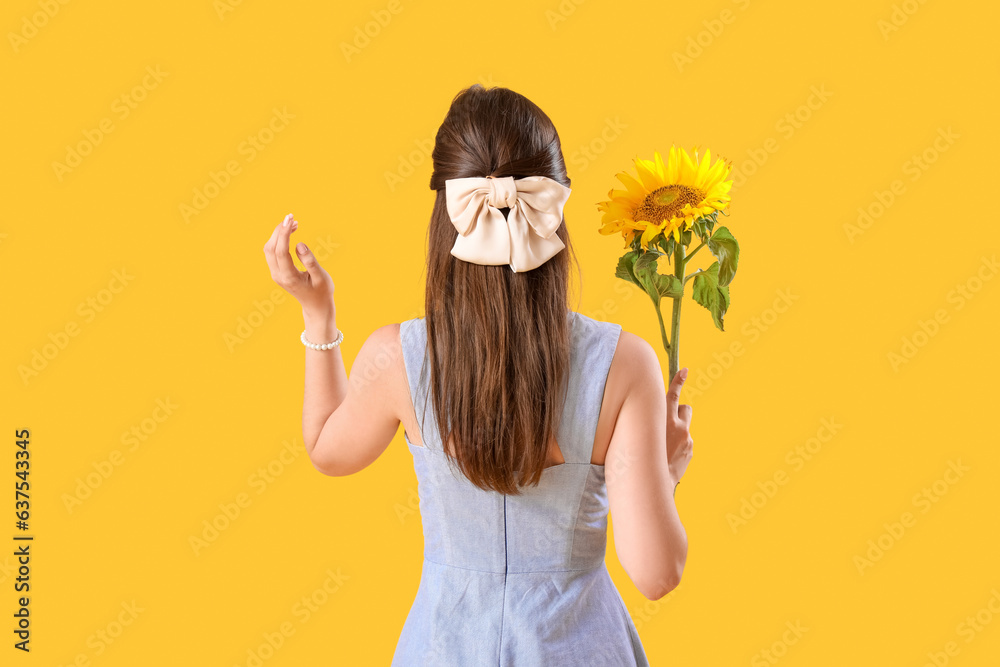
(609,76)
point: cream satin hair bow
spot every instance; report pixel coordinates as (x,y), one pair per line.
(526,239)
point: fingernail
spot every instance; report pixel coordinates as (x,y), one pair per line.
(284,223)
(683,373)
(301,248)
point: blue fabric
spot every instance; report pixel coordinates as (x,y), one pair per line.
(518,581)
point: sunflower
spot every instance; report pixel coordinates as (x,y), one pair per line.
(666,198)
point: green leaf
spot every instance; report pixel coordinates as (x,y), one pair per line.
(665,285)
(645,261)
(666,243)
(727,251)
(625,270)
(700,228)
(656,284)
(709,293)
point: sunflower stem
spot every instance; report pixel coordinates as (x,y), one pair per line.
(693,252)
(675,318)
(663,330)
(690,276)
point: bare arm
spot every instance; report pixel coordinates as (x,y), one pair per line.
(325,378)
(649,538)
(346,422)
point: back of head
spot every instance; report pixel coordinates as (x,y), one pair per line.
(498,339)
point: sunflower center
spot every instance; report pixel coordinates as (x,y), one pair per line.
(667,202)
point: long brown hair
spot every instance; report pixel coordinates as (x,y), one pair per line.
(498,341)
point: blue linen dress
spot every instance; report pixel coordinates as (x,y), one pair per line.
(518,581)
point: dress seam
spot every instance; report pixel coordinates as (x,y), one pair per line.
(503,599)
(505,572)
(576,519)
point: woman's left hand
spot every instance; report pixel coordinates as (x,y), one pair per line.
(313,288)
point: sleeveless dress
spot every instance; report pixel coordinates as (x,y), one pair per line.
(518,581)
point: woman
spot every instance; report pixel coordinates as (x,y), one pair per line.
(555,418)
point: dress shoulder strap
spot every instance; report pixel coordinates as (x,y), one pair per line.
(592,348)
(413,337)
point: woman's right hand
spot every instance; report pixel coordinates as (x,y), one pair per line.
(679,442)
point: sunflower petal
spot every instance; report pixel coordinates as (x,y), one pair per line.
(716,173)
(661,170)
(703,166)
(672,164)
(635,188)
(685,169)
(647,174)
(649,233)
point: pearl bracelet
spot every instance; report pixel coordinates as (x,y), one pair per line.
(324,346)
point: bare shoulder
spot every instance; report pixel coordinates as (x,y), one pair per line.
(631,369)
(379,363)
(379,369)
(634,395)
(634,365)
(386,337)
